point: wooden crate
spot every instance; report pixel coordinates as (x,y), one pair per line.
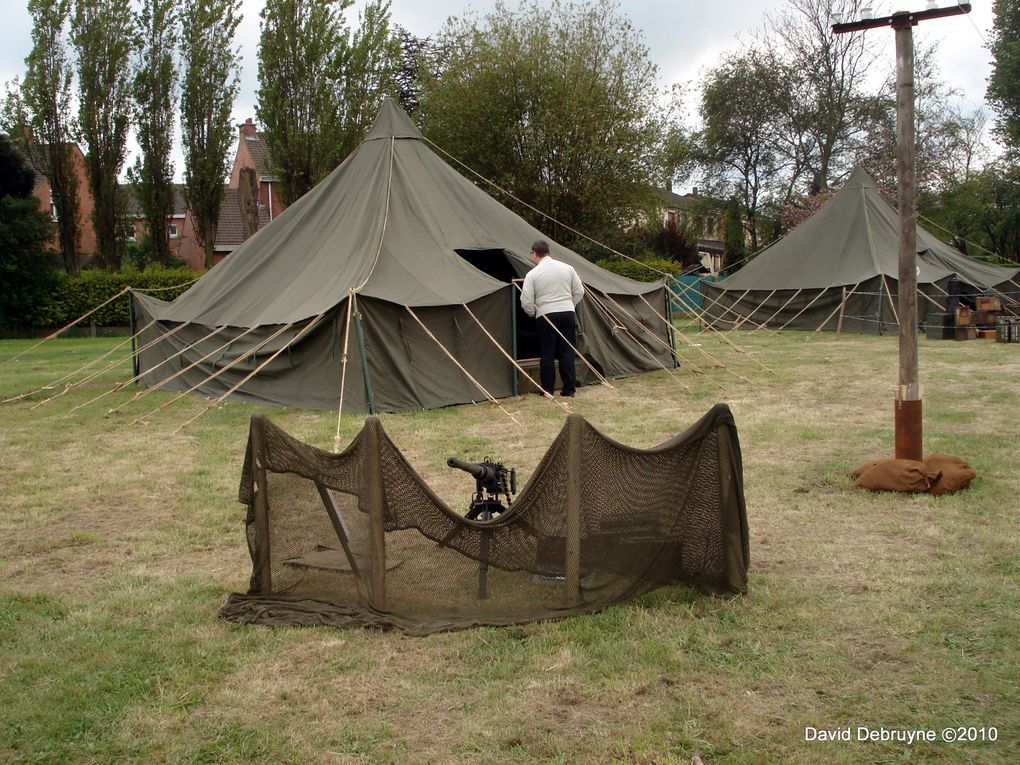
(962,316)
(988,303)
(986,334)
(966,333)
(985,319)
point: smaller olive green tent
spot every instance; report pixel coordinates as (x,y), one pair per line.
(402,268)
(840,268)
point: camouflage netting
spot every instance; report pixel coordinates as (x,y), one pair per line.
(358,538)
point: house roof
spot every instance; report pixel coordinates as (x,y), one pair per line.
(133,207)
(260,156)
(230,228)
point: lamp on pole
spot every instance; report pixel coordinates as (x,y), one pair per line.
(908,420)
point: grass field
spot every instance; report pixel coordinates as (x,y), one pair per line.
(889,612)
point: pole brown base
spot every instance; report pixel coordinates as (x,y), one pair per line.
(908,430)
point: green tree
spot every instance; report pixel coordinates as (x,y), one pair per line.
(948,138)
(103,37)
(829,107)
(209,86)
(367,64)
(740,143)
(27,272)
(155,97)
(557,104)
(40,119)
(420,58)
(1004,83)
(733,238)
(297,96)
(982,212)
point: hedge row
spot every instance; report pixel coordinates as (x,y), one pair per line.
(79,294)
(648,270)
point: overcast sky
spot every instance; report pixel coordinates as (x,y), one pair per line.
(683,37)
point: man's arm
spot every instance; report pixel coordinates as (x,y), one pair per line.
(576,288)
(528,294)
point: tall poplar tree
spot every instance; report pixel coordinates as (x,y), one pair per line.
(155,96)
(47,120)
(1004,83)
(208,88)
(367,65)
(103,36)
(298,103)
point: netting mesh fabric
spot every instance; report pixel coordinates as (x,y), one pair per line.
(358,538)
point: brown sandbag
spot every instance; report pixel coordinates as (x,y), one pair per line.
(897,475)
(955,473)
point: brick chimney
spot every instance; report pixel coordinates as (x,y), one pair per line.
(248,129)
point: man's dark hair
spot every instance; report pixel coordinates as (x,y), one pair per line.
(540,248)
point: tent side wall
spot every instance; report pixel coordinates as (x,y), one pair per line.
(409,370)
(305,374)
(869,309)
(624,335)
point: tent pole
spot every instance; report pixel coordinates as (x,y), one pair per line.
(263,571)
(842,311)
(343,371)
(671,330)
(131,328)
(364,362)
(572,537)
(513,340)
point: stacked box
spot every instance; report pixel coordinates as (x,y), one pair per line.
(939,326)
(988,303)
(1007,329)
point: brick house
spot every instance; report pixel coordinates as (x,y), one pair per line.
(42,192)
(705,216)
(251,201)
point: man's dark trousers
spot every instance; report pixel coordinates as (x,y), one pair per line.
(552,347)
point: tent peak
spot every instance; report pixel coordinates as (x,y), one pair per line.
(859,177)
(392,121)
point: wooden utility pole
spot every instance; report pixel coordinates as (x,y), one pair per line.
(908,420)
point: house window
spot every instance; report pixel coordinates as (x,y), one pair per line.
(671,217)
(172,232)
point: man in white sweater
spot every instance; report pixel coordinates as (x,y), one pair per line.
(551,291)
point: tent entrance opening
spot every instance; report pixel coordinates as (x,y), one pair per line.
(496,264)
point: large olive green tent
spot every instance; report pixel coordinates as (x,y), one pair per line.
(402,266)
(847,251)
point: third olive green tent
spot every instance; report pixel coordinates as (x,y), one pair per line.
(396,278)
(839,268)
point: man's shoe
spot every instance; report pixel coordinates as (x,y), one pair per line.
(567,395)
